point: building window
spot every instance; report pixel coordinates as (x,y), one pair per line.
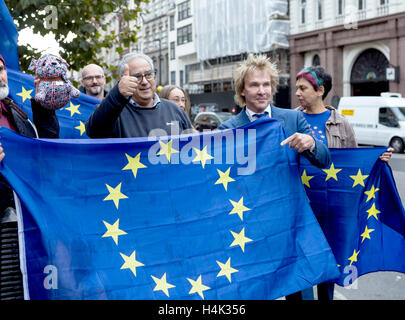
(181,78)
(303,11)
(383,8)
(361,4)
(340,7)
(173,77)
(171,22)
(316,61)
(184,10)
(319,10)
(184,35)
(172,50)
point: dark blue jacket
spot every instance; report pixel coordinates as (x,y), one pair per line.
(116,117)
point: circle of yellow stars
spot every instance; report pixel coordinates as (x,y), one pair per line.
(130,261)
(358,179)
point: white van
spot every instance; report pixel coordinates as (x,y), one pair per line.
(377,121)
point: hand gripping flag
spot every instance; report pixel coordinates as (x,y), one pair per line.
(359,209)
(219,215)
(71,118)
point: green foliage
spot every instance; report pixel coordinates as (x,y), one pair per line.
(85,20)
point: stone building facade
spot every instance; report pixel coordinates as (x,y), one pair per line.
(360,43)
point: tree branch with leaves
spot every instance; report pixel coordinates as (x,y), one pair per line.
(86,21)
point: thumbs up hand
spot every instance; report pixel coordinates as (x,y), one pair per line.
(127,84)
(126,71)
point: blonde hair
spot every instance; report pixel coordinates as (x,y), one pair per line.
(165,93)
(253,63)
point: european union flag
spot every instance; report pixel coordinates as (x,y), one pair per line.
(220,215)
(71,118)
(359,209)
(8,38)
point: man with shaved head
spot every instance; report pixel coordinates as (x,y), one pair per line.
(93,81)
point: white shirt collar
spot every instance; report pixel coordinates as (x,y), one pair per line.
(155,102)
(250,113)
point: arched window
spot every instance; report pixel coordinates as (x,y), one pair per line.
(371,65)
(368,76)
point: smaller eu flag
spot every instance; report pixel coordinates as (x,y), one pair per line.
(359,209)
(71,118)
(219,215)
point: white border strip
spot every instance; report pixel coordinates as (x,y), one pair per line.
(21,245)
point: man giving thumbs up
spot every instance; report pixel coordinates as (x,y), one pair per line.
(132,108)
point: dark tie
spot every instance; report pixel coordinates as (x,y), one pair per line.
(260,115)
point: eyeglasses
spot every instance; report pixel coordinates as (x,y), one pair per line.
(90,78)
(176,99)
(149,75)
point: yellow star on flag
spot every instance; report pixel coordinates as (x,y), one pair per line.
(81,128)
(305,179)
(166,149)
(162,284)
(353,258)
(73,109)
(371,193)
(238,208)
(359,179)
(366,234)
(130,262)
(115,194)
(113,231)
(202,156)
(331,172)
(226,270)
(373,212)
(25,94)
(197,287)
(134,164)
(240,239)
(224,178)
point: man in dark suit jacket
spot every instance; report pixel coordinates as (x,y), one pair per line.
(255,85)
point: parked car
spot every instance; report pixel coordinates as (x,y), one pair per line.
(210,120)
(376,121)
(203,107)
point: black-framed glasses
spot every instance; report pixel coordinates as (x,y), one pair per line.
(149,75)
(90,78)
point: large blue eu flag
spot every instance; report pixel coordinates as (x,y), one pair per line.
(71,118)
(359,209)
(220,215)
